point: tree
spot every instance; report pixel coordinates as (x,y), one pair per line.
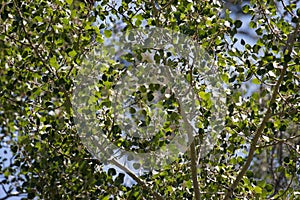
(255,155)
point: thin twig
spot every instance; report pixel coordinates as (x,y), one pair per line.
(167,5)
(29,40)
(122,14)
(278,141)
(268,23)
(287,9)
(8,195)
(285,191)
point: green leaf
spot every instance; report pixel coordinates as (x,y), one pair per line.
(225,78)
(112,171)
(38,18)
(53,62)
(72,53)
(238,23)
(246,9)
(106,197)
(204,95)
(138,22)
(107,33)
(6,173)
(258,189)
(136,165)
(269,188)
(256,81)
(69,1)
(252,24)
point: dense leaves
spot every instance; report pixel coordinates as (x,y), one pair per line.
(255,48)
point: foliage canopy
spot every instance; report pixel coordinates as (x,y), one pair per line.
(256,155)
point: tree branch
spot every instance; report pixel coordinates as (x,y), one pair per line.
(191,139)
(268,115)
(193,152)
(137,179)
(156,195)
(194,171)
